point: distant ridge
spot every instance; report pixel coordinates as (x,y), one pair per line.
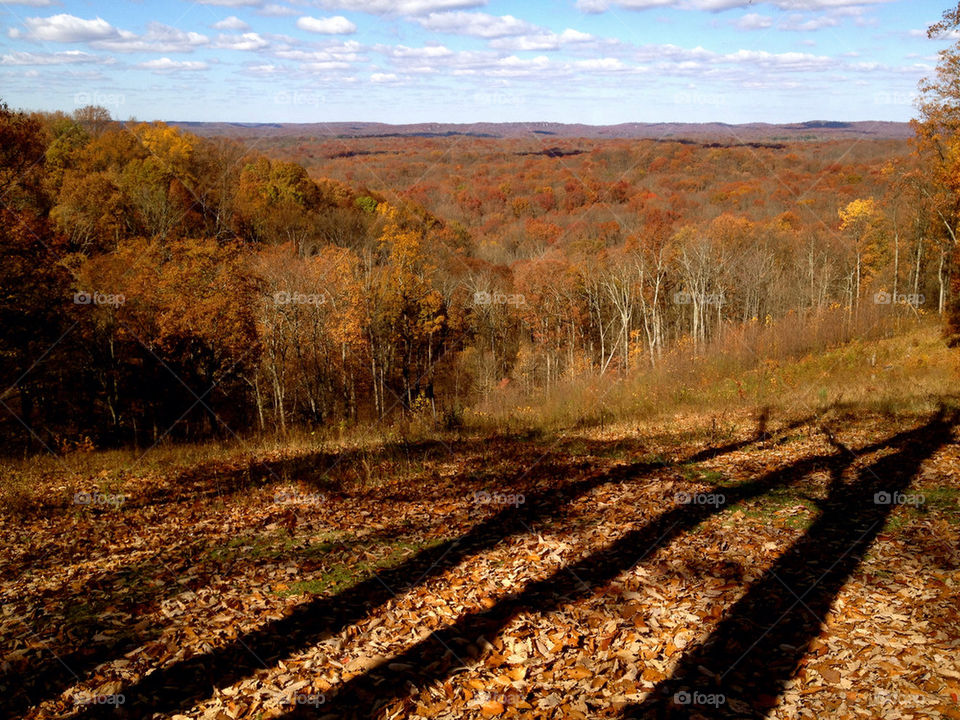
(749,132)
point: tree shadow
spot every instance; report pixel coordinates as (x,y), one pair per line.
(433,659)
(70,635)
(68,639)
(182,685)
(742,667)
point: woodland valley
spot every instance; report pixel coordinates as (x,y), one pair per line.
(447,420)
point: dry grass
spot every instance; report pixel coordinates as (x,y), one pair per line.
(793,368)
(880,364)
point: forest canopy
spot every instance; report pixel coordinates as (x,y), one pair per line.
(156,283)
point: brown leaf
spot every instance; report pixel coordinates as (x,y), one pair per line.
(491,708)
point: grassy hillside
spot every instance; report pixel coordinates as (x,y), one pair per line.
(308,574)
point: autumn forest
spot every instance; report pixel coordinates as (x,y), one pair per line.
(447,413)
(384,279)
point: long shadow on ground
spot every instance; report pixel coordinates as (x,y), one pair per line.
(431,660)
(182,685)
(743,666)
(69,640)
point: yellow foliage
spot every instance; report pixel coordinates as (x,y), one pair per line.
(857,214)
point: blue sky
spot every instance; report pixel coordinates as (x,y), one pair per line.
(589,61)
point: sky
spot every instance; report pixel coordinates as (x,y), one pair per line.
(462,61)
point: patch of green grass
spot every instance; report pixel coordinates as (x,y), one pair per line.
(344,575)
(943,498)
(269,546)
(705,475)
(945,502)
(336,580)
(769,508)
(576,447)
(656,459)
(799,522)
(894,524)
(80,614)
(614,452)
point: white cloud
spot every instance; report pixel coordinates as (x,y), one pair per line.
(165,64)
(344,52)
(246,41)
(158,38)
(66,28)
(231,23)
(602,65)
(540,41)
(266,69)
(103,36)
(720,5)
(476,24)
(332,57)
(685,61)
(274,10)
(336,25)
(646,4)
(571,35)
(673,53)
(488,64)
(754,21)
(69,57)
(792,61)
(384,78)
(230,3)
(592,6)
(514,66)
(33,3)
(505,32)
(949,35)
(801,5)
(797,23)
(323,66)
(403,52)
(400,7)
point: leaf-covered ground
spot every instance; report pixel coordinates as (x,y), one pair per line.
(786,568)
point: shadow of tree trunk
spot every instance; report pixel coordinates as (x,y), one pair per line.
(432,660)
(743,666)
